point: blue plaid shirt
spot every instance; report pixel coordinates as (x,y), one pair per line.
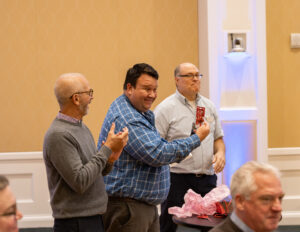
(142,171)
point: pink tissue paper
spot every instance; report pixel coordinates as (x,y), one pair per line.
(197,205)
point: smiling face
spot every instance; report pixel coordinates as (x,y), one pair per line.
(143,94)
(188,86)
(8,211)
(262,212)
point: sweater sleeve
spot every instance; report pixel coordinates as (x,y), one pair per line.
(107,169)
(63,151)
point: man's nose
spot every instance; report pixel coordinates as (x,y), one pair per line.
(277,205)
(152,93)
(19,215)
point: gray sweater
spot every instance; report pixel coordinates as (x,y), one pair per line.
(74,170)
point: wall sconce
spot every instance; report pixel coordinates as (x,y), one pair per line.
(236,42)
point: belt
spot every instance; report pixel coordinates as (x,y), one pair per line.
(200,175)
(113,198)
(126,199)
(190,174)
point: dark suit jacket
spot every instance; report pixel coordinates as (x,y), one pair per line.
(226,226)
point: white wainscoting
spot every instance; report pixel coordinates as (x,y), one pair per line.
(27,175)
(287,160)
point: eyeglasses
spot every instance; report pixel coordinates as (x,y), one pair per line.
(8,214)
(12,211)
(191,76)
(89,92)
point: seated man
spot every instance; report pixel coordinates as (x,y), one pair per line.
(9,214)
(256,196)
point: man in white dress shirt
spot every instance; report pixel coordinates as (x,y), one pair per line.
(175,118)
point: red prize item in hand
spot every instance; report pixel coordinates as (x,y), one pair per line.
(200,115)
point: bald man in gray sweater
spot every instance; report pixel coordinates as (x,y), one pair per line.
(73,164)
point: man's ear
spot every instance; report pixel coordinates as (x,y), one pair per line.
(129,88)
(75,99)
(240,202)
(176,79)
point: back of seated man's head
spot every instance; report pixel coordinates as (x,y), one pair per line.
(257,194)
(9,214)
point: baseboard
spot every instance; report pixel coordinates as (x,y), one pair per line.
(36,230)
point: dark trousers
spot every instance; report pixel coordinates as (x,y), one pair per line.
(129,215)
(180,184)
(79,224)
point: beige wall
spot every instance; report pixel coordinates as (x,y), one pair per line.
(283,70)
(41,39)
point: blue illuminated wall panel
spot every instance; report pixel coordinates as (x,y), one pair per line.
(240,142)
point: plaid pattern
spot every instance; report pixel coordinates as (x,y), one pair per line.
(142,171)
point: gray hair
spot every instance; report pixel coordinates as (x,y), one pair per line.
(3,182)
(66,85)
(243,182)
(177,71)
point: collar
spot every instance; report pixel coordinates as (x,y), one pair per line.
(183,99)
(239,223)
(67,118)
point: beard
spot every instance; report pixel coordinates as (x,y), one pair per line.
(84,109)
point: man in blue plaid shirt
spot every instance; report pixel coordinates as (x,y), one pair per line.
(140,178)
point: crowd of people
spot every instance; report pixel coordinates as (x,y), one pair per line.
(143,159)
